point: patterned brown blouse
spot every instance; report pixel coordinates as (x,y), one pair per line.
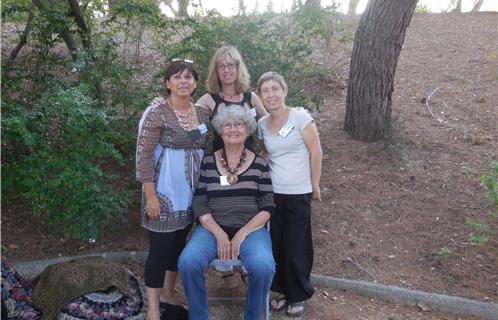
(170,156)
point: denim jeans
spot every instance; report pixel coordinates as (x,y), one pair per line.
(256,255)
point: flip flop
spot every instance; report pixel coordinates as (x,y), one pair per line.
(277,300)
(296,314)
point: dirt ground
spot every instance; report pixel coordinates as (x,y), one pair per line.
(388,207)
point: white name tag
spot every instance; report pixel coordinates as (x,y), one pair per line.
(286,129)
(252,112)
(224,181)
(202,128)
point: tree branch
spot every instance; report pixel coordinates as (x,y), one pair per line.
(25,33)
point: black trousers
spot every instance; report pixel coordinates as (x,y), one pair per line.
(292,244)
(164,250)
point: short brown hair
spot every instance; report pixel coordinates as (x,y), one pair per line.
(178,66)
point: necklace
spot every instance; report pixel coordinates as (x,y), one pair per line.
(229,96)
(185,120)
(232,177)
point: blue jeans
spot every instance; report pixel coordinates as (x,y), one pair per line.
(256,255)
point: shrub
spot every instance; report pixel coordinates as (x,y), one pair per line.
(50,158)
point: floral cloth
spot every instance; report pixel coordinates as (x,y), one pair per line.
(16,295)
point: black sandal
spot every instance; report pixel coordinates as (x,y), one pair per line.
(296,314)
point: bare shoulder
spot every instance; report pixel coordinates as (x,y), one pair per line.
(206,101)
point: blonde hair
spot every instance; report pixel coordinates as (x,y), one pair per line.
(213,83)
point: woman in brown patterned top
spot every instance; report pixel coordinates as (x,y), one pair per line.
(170,146)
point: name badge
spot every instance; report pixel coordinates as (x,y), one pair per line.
(252,112)
(202,129)
(224,181)
(286,129)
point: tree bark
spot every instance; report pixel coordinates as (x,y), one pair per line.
(64,32)
(182,8)
(477,6)
(313,4)
(242,8)
(457,4)
(377,45)
(80,21)
(352,7)
(24,36)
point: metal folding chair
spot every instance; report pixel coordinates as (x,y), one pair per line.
(237,263)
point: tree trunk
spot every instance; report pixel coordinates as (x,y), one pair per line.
(64,32)
(313,4)
(25,33)
(477,6)
(80,21)
(352,7)
(242,8)
(182,8)
(377,45)
(457,5)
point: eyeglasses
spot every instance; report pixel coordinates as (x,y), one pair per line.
(236,125)
(229,66)
(184,60)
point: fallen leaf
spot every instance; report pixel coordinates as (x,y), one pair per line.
(423,306)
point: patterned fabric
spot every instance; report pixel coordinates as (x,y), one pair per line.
(107,304)
(233,205)
(111,303)
(170,157)
(16,295)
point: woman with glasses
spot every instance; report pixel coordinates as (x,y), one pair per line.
(291,139)
(232,203)
(228,83)
(170,145)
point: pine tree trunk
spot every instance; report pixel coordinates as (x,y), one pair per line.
(377,45)
(477,6)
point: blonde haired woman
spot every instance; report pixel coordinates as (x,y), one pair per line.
(228,84)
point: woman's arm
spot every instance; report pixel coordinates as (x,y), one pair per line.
(256,102)
(257,222)
(206,101)
(148,137)
(222,241)
(312,142)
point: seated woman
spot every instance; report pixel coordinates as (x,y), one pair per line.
(232,203)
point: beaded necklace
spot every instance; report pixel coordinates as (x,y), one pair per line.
(232,177)
(185,120)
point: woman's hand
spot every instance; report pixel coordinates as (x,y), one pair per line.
(236,242)
(317,194)
(152,207)
(223,246)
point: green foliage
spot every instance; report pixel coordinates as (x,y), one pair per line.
(444,252)
(283,49)
(491,184)
(15,10)
(481,232)
(422,8)
(50,158)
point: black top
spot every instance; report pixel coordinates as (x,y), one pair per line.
(246,100)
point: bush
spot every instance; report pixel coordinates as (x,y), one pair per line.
(50,158)
(266,42)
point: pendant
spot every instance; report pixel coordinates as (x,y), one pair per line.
(232,178)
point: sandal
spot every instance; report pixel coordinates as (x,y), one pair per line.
(276,301)
(298,313)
